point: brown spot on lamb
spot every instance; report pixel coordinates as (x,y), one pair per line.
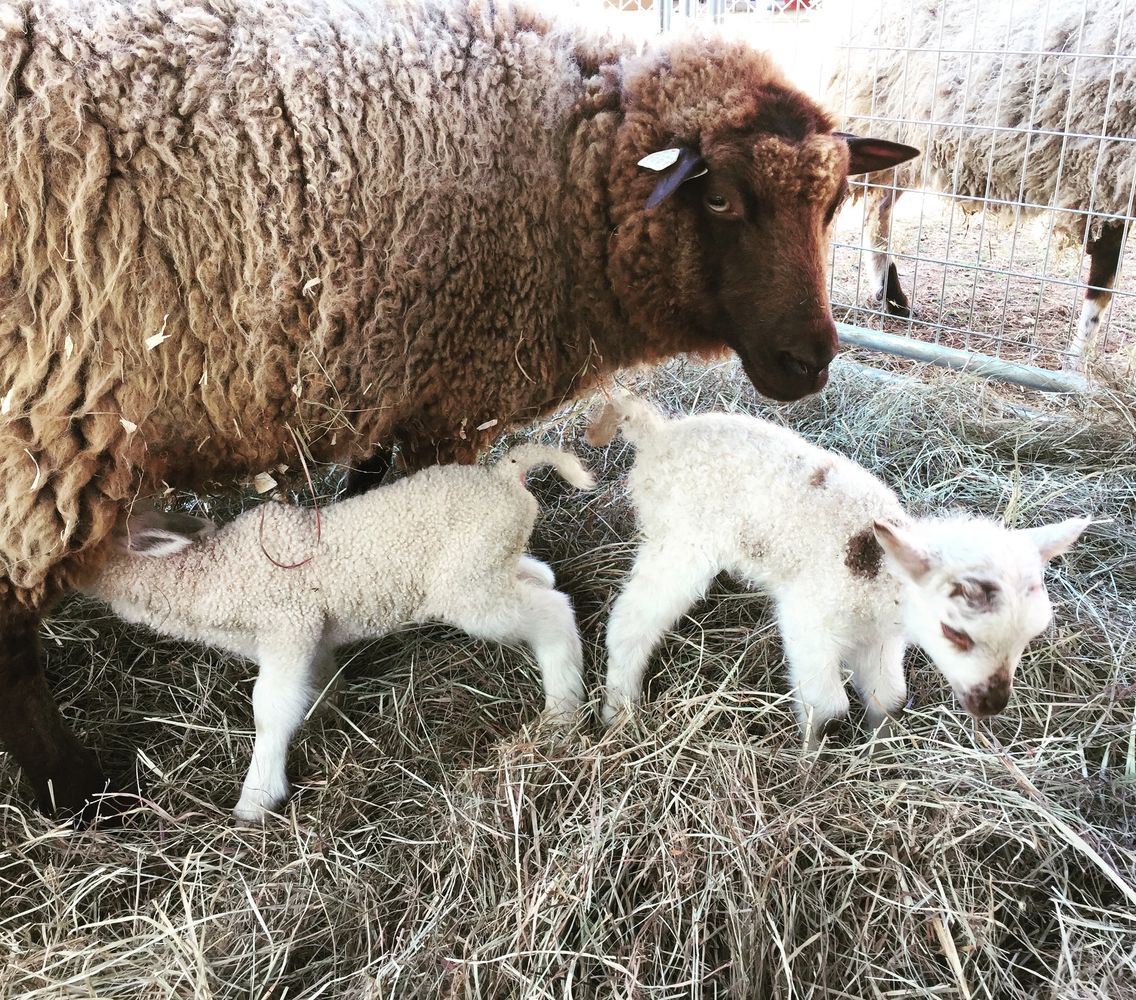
(863,554)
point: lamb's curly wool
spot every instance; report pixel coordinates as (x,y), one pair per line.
(224,220)
(281,587)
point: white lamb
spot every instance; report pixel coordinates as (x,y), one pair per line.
(853,578)
(446,544)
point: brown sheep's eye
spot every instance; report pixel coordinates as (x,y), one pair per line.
(717,203)
(960,640)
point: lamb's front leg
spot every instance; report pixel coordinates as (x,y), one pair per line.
(814,656)
(877,671)
(281,697)
(663,584)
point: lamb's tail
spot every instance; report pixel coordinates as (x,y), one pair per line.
(518,460)
(624,412)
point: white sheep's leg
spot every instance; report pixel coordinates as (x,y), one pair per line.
(877,672)
(662,586)
(535,571)
(883,277)
(1088,325)
(1104,260)
(813,656)
(281,697)
(541,618)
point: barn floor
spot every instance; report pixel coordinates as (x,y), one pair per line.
(442,843)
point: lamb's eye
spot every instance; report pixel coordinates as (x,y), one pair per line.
(960,640)
(718,203)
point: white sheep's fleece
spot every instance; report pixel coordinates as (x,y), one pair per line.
(853,577)
(445,544)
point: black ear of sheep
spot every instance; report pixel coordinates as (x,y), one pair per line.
(867,155)
(685,165)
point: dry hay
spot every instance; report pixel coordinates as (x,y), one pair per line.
(442,843)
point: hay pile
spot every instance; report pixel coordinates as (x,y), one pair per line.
(442,844)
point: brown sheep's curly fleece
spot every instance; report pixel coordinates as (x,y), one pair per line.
(226,222)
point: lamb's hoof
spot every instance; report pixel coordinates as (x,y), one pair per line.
(85,796)
(110,807)
(897,303)
(610,714)
(329,702)
(250,815)
(73,788)
(561,713)
(256,806)
(819,733)
(884,730)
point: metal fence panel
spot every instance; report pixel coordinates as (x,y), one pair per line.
(1026,112)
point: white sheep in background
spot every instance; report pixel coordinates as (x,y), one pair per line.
(1032,104)
(853,578)
(446,544)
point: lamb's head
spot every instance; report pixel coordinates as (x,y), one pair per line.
(974,596)
(724,186)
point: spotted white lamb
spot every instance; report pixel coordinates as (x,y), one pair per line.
(446,544)
(854,579)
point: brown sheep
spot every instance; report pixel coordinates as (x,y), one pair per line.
(230,227)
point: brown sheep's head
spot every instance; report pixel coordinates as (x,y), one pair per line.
(725,186)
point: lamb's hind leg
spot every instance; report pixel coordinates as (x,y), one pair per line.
(63,773)
(368,473)
(542,618)
(535,571)
(663,584)
(282,695)
(1104,260)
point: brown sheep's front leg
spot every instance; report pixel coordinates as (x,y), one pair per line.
(64,774)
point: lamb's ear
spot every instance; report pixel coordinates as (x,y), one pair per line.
(603,423)
(156,534)
(866,155)
(677,166)
(1053,539)
(904,548)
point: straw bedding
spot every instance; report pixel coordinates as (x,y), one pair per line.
(443,844)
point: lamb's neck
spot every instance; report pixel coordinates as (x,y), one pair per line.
(132,580)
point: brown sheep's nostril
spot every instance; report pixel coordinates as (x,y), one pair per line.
(796,366)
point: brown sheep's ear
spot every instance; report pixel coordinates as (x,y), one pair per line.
(677,166)
(866,156)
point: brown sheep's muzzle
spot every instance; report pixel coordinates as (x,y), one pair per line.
(790,373)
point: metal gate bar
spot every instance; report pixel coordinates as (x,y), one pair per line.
(951,357)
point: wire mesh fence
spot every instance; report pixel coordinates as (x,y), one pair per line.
(1009,246)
